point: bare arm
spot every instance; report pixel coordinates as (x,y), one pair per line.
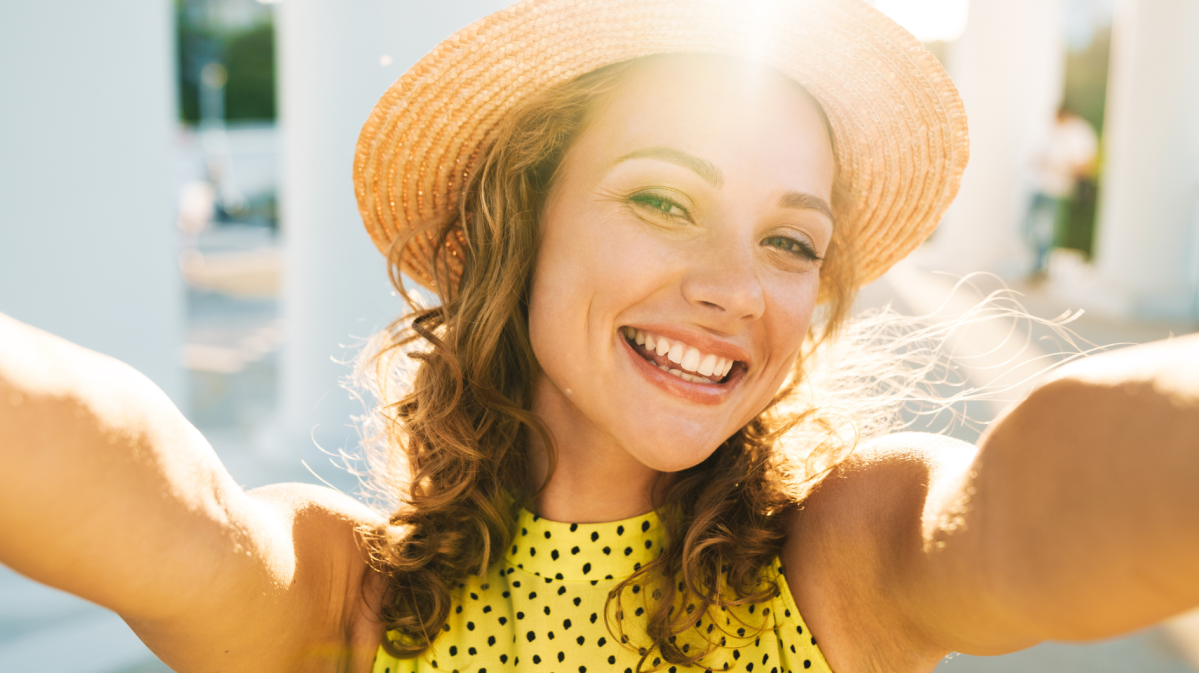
(1077,518)
(109,493)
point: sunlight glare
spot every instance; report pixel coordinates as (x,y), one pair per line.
(928,20)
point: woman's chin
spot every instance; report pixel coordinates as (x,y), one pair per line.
(676,458)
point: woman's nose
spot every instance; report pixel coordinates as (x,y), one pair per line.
(723,279)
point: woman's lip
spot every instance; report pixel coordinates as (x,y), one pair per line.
(704,342)
(701,393)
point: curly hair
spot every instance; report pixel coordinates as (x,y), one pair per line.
(459,433)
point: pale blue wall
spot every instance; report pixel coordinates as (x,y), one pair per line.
(87,234)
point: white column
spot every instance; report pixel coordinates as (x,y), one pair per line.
(88,242)
(1009,67)
(1147,243)
(336,59)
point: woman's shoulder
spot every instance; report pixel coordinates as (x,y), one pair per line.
(847,539)
(328,531)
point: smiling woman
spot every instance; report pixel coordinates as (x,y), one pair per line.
(642,220)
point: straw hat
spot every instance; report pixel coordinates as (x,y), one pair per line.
(898,126)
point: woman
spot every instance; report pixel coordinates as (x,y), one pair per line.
(642,219)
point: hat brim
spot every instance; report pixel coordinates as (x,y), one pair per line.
(898,124)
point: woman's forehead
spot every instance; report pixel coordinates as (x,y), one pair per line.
(737,115)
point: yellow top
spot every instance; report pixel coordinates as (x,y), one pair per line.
(542,609)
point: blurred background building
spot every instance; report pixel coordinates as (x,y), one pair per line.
(175,192)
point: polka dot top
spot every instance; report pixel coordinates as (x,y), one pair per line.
(542,609)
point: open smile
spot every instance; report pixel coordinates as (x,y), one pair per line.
(681,368)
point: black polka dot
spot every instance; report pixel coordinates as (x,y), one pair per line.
(566,624)
(470,626)
(532,551)
(520,615)
(644,526)
(547,535)
(574,550)
(532,595)
(586,568)
(503,658)
(524,531)
(807,663)
(601,641)
(628,550)
(594,617)
(491,640)
(576,601)
(611,659)
(607,550)
(503,620)
(561,656)
(580,640)
(547,610)
(486,609)
(554,554)
(531,636)
(472,651)
(649,543)
(536,659)
(453,650)
(620,530)
(561,590)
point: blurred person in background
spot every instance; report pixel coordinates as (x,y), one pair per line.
(1067,157)
(620,439)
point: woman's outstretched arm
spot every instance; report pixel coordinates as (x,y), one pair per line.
(1076,518)
(109,493)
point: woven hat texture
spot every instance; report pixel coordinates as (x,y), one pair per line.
(898,125)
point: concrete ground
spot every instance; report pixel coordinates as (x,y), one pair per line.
(231,349)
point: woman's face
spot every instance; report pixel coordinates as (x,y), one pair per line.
(680,259)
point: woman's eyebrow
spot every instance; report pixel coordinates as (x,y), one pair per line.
(702,167)
(807,201)
(708,171)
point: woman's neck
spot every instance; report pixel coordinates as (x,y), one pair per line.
(595,479)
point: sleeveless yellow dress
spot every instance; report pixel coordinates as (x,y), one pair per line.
(542,609)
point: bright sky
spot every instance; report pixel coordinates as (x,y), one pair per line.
(929,20)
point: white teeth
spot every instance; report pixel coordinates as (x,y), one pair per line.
(691,360)
(693,365)
(663,346)
(677,350)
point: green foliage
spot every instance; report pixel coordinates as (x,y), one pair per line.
(1086,78)
(250,60)
(1085,95)
(248,56)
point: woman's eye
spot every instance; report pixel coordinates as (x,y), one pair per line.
(660,204)
(792,246)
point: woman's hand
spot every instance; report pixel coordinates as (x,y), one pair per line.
(1077,518)
(109,493)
